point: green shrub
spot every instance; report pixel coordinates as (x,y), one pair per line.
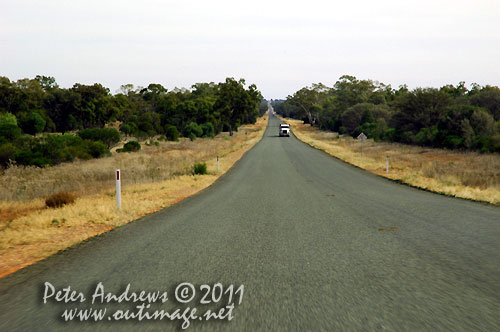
(200,168)
(32,124)
(7,153)
(131,146)
(192,136)
(407,137)
(208,129)
(483,144)
(8,127)
(495,143)
(390,135)
(193,128)
(97,149)
(108,136)
(171,133)
(426,136)
(126,129)
(453,142)
(30,158)
(79,152)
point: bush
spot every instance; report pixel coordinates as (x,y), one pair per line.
(495,143)
(108,136)
(59,199)
(208,129)
(193,128)
(426,136)
(453,142)
(7,152)
(78,152)
(483,144)
(199,168)
(97,149)
(126,129)
(390,135)
(407,137)
(8,127)
(171,133)
(30,158)
(131,146)
(32,123)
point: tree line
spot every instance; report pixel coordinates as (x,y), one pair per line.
(452,117)
(32,109)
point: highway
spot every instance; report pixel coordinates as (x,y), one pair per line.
(319,245)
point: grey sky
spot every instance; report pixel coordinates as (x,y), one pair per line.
(279,45)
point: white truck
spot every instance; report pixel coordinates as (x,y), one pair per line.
(284,130)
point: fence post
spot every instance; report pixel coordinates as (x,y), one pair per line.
(118,190)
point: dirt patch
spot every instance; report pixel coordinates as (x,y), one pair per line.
(17,257)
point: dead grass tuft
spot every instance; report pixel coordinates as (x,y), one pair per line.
(59,199)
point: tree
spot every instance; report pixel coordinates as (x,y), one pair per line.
(483,123)
(46,82)
(193,129)
(235,104)
(308,101)
(488,98)
(32,124)
(351,91)
(8,127)
(419,109)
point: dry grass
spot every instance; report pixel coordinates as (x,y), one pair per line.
(60,199)
(461,174)
(154,178)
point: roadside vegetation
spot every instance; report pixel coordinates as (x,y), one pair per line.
(451,117)
(42,124)
(44,210)
(465,174)
(59,149)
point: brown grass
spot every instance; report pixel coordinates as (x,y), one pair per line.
(461,174)
(154,178)
(60,199)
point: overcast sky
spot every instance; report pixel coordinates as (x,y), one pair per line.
(281,46)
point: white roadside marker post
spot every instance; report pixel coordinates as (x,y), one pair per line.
(118,190)
(387,164)
(217,164)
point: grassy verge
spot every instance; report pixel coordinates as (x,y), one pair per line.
(152,179)
(468,175)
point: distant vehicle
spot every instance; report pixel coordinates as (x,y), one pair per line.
(284,130)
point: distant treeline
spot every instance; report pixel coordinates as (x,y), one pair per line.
(452,117)
(29,107)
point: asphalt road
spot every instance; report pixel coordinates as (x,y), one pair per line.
(300,230)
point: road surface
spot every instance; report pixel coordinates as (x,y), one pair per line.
(300,230)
